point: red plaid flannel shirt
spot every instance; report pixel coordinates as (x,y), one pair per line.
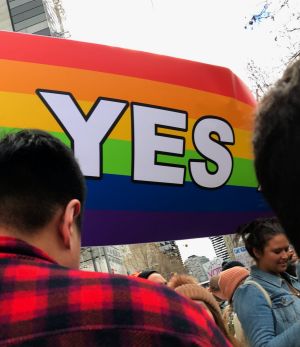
(44,304)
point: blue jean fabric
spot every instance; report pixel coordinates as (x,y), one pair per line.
(298,269)
(265,326)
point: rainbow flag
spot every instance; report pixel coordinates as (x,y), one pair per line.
(175,159)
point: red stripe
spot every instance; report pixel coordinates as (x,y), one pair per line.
(61,52)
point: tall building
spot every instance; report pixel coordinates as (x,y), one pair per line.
(194,265)
(41,17)
(220,248)
(5,21)
(171,249)
(103,259)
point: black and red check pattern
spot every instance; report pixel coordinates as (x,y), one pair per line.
(44,304)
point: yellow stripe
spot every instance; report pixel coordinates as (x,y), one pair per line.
(28,111)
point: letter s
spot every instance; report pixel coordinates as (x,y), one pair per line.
(213,150)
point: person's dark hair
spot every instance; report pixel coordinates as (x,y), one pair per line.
(145,274)
(276,148)
(38,174)
(257,233)
(231,264)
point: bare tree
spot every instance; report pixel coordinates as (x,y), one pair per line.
(279,20)
(260,81)
(148,256)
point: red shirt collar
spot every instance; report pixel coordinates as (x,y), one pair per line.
(11,247)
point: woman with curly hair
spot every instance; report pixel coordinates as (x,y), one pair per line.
(189,287)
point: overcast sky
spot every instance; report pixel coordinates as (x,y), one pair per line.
(209,31)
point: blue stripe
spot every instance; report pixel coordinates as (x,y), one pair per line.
(115,192)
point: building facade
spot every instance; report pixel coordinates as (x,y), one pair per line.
(194,266)
(171,249)
(163,257)
(231,242)
(5,20)
(220,248)
(40,17)
(103,259)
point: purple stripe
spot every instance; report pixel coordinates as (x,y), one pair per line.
(124,227)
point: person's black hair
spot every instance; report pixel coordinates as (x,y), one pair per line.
(230,264)
(258,233)
(276,149)
(291,269)
(38,175)
(224,263)
(146,274)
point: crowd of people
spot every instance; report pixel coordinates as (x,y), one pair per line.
(257,307)
(260,307)
(47,301)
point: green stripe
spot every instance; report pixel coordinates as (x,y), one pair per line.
(243,171)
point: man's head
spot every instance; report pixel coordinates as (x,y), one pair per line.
(277,147)
(41,193)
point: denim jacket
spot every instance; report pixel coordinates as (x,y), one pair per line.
(265,326)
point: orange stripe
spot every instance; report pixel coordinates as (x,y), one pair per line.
(86,56)
(87,85)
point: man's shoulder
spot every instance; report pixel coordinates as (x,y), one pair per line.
(47,297)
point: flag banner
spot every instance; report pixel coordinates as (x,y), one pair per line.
(164,143)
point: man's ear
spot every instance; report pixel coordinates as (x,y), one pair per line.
(257,253)
(66,228)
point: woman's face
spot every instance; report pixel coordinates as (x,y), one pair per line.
(275,256)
